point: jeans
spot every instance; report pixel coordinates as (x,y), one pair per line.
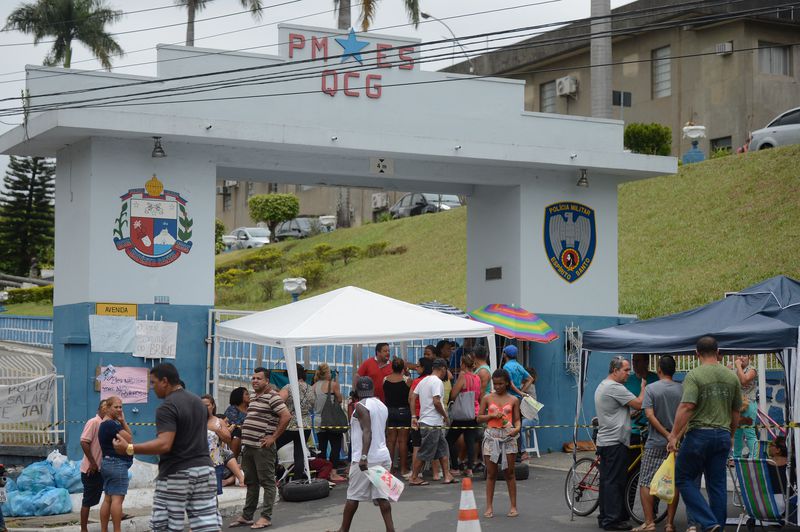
(613,477)
(704,452)
(748,435)
(258,464)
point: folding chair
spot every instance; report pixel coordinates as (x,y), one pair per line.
(756,493)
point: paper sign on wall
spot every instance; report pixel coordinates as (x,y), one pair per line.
(112,334)
(129,384)
(156,339)
(28,401)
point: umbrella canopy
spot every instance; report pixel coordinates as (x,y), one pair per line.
(514,322)
(444,308)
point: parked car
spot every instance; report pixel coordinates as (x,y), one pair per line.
(247,237)
(418,203)
(782,131)
(296,228)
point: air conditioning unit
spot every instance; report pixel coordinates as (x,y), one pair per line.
(229,183)
(724,48)
(380,201)
(566,86)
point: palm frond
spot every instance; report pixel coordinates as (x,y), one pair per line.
(368,9)
(255,7)
(412,10)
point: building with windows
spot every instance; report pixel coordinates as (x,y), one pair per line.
(729,66)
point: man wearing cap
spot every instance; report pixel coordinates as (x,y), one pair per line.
(521,380)
(368,443)
(430,422)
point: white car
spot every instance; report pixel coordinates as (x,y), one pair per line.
(249,237)
(782,131)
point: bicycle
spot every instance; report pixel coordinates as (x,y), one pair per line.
(582,487)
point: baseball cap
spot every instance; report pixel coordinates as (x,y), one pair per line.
(365,387)
(510,351)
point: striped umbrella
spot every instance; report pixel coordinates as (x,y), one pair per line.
(444,308)
(514,322)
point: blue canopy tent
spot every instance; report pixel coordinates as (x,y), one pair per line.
(761,319)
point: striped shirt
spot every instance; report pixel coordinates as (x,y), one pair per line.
(263,415)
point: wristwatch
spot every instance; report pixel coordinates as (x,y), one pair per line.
(363,456)
(129,450)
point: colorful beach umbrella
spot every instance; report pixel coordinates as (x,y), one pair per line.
(515,322)
(444,308)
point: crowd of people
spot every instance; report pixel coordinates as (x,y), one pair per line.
(698,419)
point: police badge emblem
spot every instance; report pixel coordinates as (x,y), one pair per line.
(570,238)
(153,227)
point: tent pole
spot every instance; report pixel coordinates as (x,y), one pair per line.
(762,389)
(290,355)
(492,352)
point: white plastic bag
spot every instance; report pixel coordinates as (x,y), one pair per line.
(56,459)
(389,485)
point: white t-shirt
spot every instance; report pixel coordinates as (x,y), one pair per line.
(378,452)
(428,388)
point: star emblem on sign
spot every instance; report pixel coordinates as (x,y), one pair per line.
(352,47)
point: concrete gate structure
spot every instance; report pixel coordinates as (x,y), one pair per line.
(333,109)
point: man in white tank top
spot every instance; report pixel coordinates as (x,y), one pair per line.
(368,442)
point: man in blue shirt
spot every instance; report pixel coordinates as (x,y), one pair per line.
(521,380)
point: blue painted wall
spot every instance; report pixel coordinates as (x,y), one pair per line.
(556,389)
(73,359)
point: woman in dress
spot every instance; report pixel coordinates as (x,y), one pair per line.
(235,415)
(115,466)
(218,434)
(500,411)
(325,384)
(292,433)
(395,391)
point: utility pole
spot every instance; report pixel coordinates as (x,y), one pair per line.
(600,58)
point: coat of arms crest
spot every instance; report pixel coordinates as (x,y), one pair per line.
(153,227)
(570,238)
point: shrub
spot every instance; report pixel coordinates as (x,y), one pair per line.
(322,250)
(347,253)
(312,271)
(376,249)
(720,152)
(650,139)
(231,277)
(266,258)
(399,250)
(302,257)
(268,287)
(30,295)
(384,217)
(219,230)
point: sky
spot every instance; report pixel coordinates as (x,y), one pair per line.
(262,36)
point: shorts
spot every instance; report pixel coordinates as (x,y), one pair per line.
(433,445)
(219,471)
(652,459)
(92,489)
(416,438)
(359,488)
(399,417)
(115,475)
(191,491)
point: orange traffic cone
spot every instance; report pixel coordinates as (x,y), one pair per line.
(468,511)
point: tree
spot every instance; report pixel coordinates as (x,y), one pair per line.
(26,208)
(368,10)
(194,6)
(273,209)
(652,139)
(65,21)
(219,230)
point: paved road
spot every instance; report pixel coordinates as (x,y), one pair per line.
(435,507)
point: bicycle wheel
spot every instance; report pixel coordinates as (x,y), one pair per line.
(582,487)
(633,502)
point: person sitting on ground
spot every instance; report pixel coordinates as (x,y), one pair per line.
(217,435)
(395,391)
(235,415)
(115,466)
(292,433)
(500,411)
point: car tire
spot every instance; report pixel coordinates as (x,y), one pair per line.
(521,471)
(305,490)
(765,146)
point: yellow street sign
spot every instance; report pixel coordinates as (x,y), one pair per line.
(116,309)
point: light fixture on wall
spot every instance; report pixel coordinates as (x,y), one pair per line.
(583,181)
(158,151)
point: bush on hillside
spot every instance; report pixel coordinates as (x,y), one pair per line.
(650,139)
(399,250)
(312,271)
(720,153)
(384,217)
(266,258)
(268,287)
(30,295)
(231,277)
(348,253)
(322,250)
(219,230)
(301,258)
(376,249)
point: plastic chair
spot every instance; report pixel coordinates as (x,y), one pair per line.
(530,438)
(756,493)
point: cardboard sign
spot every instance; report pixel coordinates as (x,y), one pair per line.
(28,401)
(156,339)
(129,384)
(116,309)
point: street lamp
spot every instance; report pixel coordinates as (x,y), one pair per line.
(295,286)
(455,39)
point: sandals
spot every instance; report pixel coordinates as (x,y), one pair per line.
(645,527)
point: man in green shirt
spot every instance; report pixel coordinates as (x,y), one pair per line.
(712,397)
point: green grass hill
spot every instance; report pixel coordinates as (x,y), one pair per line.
(684,240)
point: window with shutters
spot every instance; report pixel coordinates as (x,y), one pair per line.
(661,72)
(547,97)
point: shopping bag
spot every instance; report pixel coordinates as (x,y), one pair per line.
(663,484)
(389,485)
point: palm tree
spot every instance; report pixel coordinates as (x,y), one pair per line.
(68,20)
(193,6)
(368,9)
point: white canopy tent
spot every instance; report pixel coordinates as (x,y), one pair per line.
(348,315)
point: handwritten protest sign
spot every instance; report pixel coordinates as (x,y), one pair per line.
(156,339)
(28,401)
(129,384)
(112,334)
